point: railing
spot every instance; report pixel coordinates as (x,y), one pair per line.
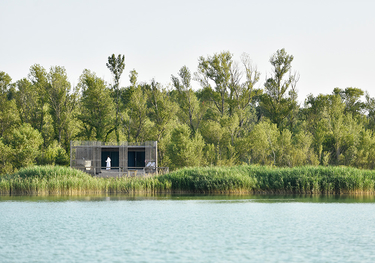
(129,171)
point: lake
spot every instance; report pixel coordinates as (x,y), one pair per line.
(187,228)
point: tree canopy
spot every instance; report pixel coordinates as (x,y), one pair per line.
(235,117)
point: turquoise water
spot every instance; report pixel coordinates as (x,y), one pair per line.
(187,229)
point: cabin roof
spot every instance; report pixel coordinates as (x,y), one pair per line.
(113,144)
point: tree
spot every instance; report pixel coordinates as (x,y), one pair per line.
(370,108)
(351,97)
(230,101)
(242,94)
(162,110)
(138,123)
(338,126)
(223,88)
(25,143)
(26,98)
(8,110)
(6,158)
(38,77)
(185,150)
(61,100)
(133,77)
(263,143)
(213,133)
(344,132)
(276,102)
(126,96)
(5,82)
(54,154)
(190,109)
(216,70)
(162,114)
(316,114)
(285,149)
(96,107)
(303,153)
(116,65)
(366,150)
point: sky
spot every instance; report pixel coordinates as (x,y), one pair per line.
(333,42)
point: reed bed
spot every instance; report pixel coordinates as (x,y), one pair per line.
(265,179)
(210,180)
(47,180)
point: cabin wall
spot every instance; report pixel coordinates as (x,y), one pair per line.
(87,156)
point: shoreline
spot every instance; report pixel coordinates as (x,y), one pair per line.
(237,180)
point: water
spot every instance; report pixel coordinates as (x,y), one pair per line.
(187,229)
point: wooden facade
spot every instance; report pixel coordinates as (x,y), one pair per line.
(126,158)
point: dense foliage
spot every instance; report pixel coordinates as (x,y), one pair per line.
(226,122)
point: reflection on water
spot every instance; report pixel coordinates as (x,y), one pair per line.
(187,228)
(206,197)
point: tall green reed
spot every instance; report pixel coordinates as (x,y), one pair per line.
(237,179)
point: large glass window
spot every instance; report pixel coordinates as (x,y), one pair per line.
(113,154)
(136,159)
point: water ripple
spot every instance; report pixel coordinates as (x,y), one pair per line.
(186,231)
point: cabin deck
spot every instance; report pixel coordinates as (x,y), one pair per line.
(115,173)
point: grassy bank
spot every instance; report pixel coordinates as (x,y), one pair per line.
(44,180)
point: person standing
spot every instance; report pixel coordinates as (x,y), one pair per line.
(108,161)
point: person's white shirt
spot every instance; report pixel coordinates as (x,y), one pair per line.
(108,161)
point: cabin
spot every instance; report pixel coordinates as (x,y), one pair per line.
(127,159)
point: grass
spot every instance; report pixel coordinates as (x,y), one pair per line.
(265,179)
(45,180)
